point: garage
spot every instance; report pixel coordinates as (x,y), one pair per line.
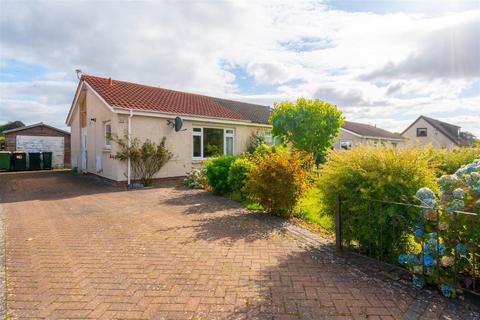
(41,137)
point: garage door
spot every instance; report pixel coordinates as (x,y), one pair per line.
(40,143)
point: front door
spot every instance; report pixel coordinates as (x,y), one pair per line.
(84,150)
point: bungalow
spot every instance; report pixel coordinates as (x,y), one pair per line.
(103,106)
(354,133)
(439,134)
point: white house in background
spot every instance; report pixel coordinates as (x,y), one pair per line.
(354,133)
(440,134)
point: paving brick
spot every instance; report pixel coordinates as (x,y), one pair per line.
(79,248)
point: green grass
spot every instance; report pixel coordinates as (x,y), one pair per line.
(309,208)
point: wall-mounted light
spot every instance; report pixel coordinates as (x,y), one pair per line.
(93,119)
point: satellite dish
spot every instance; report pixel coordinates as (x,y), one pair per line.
(178,124)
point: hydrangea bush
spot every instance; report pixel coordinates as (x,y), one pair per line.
(447,233)
(196,179)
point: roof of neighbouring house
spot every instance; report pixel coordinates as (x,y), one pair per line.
(448,129)
(40,124)
(11,125)
(367,130)
(127,95)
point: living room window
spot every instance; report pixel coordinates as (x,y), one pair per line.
(210,142)
(421,132)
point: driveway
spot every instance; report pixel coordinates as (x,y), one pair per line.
(78,248)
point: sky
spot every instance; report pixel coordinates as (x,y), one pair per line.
(381,62)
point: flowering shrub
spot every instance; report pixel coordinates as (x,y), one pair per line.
(374,173)
(196,179)
(238,175)
(448,237)
(447,161)
(278,179)
(217,170)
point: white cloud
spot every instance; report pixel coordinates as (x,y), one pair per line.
(189,46)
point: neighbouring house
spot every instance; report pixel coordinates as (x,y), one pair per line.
(354,133)
(40,137)
(439,134)
(103,107)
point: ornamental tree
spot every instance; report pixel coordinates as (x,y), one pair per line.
(309,125)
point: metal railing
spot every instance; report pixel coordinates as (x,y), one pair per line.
(387,229)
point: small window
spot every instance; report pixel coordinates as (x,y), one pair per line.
(108,135)
(421,132)
(346,144)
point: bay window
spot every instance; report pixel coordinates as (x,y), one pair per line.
(210,142)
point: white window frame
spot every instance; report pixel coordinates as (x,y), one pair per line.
(107,143)
(225,135)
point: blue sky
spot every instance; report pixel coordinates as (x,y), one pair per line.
(381,62)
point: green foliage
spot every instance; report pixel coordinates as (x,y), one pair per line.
(309,125)
(368,173)
(254,141)
(309,208)
(217,171)
(278,180)
(238,174)
(447,161)
(146,158)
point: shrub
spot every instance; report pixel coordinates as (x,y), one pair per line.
(449,237)
(278,180)
(217,170)
(146,158)
(196,178)
(447,161)
(368,173)
(238,174)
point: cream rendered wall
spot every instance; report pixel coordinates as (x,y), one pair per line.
(435,137)
(100,159)
(179,143)
(75,140)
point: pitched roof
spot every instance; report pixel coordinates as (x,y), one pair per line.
(40,124)
(367,130)
(449,130)
(11,125)
(127,95)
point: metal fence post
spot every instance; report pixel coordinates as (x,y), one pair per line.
(338,223)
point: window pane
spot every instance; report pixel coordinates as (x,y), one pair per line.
(197,129)
(197,146)
(212,142)
(108,133)
(229,145)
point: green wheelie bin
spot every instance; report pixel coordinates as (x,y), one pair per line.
(47,160)
(5,160)
(19,161)
(34,161)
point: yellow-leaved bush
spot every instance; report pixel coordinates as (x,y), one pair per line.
(278,179)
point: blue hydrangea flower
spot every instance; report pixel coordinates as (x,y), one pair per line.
(418,282)
(418,231)
(427,261)
(441,249)
(403,259)
(427,250)
(446,290)
(424,194)
(456,205)
(412,258)
(458,193)
(461,249)
(447,182)
(477,204)
(432,235)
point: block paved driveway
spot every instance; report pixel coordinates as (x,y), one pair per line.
(78,248)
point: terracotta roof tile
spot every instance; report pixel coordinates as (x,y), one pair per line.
(129,95)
